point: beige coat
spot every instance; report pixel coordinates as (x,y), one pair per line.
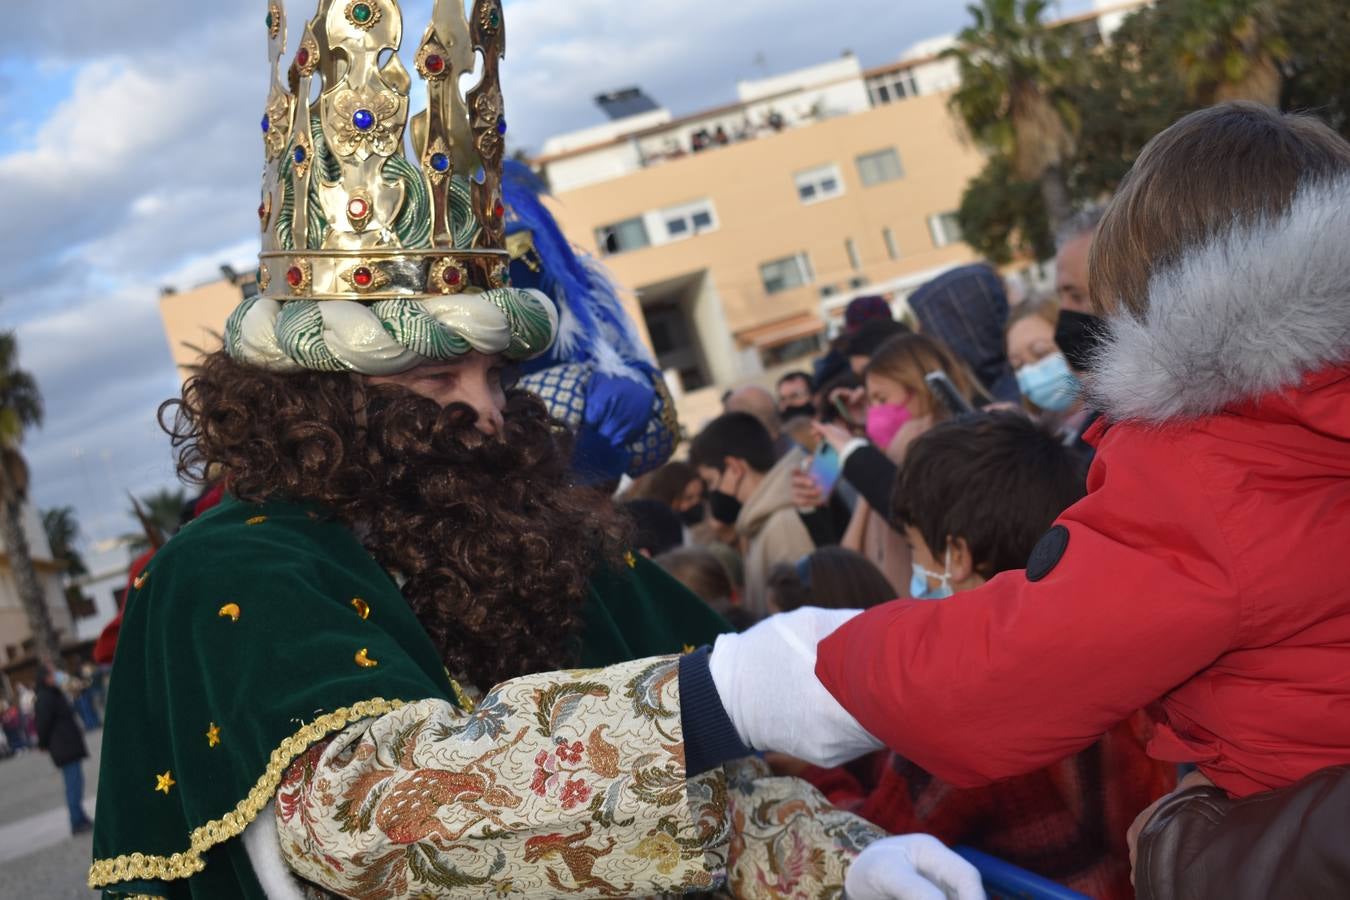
(771,530)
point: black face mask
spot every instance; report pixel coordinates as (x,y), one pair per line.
(1078,336)
(724,507)
(793,412)
(693,515)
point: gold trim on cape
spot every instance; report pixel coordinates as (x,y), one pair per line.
(143,866)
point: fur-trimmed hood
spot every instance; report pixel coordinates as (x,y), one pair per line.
(1252,311)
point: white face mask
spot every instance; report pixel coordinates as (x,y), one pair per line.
(918,584)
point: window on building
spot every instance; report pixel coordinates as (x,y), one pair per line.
(690,219)
(775,356)
(630,234)
(786,273)
(878,167)
(854,259)
(820,183)
(945,229)
(892,248)
(893,87)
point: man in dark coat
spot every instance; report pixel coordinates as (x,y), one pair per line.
(60,735)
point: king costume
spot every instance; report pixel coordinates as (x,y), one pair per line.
(279,723)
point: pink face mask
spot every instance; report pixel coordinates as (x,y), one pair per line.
(884,421)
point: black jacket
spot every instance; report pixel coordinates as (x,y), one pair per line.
(57,731)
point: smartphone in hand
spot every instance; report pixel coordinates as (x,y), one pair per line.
(825,468)
(947,394)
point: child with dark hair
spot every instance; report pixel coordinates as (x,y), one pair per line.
(657,528)
(973,497)
(699,569)
(831,577)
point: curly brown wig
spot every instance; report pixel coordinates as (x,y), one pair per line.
(493,541)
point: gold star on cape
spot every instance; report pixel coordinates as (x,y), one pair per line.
(164,782)
(213,735)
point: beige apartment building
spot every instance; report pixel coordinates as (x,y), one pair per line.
(738,255)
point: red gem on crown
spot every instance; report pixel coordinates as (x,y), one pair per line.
(452,275)
(302,58)
(434,63)
(357,208)
(294,276)
(362,277)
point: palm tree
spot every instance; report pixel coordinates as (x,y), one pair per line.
(20,409)
(158,513)
(1012,70)
(1230,50)
(63,533)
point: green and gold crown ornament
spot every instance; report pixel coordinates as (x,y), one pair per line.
(378,257)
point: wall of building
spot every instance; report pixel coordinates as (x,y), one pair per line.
(194,320)
(14,630)
(761,218)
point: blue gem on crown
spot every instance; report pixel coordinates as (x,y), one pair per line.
(363,119)
(299,155)
(501,126)
(266,124)
(440,162)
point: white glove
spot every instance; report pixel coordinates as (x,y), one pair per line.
(766,678)
(911,867)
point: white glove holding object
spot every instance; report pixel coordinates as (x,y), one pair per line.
(766,678)
(911,867)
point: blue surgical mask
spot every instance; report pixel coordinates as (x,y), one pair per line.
(1048,383)
(918,585)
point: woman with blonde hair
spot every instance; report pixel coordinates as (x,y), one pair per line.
(901,406)
(1049,387)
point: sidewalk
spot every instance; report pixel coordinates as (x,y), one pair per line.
(38,855)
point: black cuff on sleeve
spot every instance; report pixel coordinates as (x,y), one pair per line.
(873,475)
(709,737)
(820,525)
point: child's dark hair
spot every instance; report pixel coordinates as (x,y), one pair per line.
(735,434)
(996,480)
(831,577)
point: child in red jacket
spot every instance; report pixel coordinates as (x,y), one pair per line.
(986,488)
(1203,574)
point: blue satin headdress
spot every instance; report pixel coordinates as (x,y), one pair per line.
(597,378)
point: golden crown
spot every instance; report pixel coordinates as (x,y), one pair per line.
(344,214)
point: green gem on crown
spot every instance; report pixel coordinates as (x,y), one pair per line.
(268,20)
(361,12)
(495,19)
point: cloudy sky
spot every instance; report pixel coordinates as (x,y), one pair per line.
(129,159)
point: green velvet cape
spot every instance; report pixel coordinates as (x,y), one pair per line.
(253,633)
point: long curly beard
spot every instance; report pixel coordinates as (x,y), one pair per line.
(494,543)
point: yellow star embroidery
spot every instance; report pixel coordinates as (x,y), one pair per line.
(362,607)
(213,735)
(365,661)
(164,782)
(256,520)
(229,611)
(630,559)
(140,580)
(688,648)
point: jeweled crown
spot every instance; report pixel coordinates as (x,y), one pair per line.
(345,214)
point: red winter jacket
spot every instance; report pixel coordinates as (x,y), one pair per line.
(1205,572)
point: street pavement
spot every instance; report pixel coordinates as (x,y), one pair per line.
(38,855)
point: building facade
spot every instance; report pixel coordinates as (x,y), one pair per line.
(802,195)
(16,637)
